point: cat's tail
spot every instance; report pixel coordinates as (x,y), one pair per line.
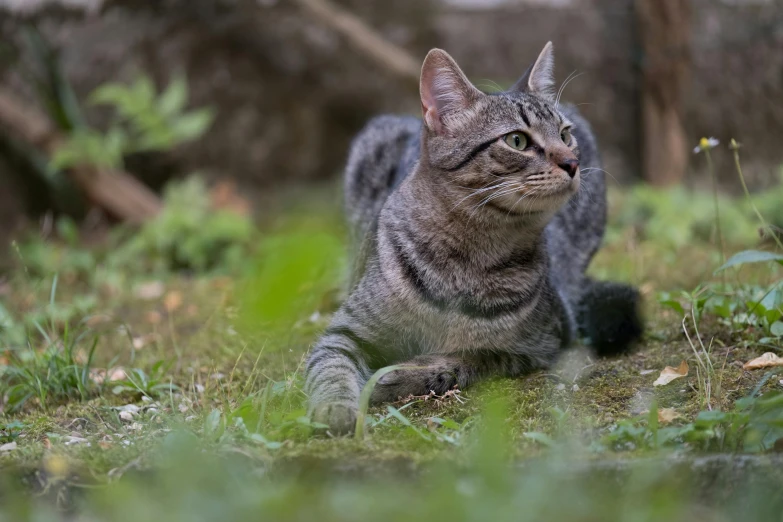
(609,316)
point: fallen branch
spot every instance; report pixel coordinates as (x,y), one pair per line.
(365,39)
(118,193)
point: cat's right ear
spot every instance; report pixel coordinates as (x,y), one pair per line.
(445,91)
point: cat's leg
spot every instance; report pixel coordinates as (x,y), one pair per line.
(335,372)
(440,373)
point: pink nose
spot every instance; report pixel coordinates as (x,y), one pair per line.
(569,166)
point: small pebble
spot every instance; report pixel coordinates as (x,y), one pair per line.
(560,387)
(575,388)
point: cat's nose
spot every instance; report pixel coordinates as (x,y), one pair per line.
(569,166)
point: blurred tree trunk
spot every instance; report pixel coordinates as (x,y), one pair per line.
(664,33)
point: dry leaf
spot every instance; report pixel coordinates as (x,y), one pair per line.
(150,291)
(95,320)
(669,374)
(141,341)
(765,361)
(667,415)
(172,301)
(101,376)
(224,196)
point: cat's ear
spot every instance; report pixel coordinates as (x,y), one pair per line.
(445,91)
(539,79)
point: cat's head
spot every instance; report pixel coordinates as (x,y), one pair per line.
(512,152)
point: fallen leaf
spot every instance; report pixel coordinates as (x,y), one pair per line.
(667,415)
(102,376)
(149,291)
(669,374)
(765,361)
(98,319)
(8,447)
(224,196)
(117,374)
(141,341)
(172,301)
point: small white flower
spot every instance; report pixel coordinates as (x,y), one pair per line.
(706,144)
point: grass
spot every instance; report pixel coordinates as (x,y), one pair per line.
(168,395)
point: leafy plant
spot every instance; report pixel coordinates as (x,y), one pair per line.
(9,431)
(151,385)
(754,425)
(60,371)
(188,234)
(144,121)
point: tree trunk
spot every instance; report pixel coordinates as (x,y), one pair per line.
(664,32)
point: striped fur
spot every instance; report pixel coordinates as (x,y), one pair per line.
(470,254)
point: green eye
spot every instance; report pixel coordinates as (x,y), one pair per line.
(565,135)
(516,140)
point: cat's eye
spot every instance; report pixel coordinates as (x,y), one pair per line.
(565,135)
(516,140)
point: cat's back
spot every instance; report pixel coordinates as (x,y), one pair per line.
(381,155)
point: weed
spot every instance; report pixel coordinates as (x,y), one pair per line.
(152,384)
(187,235)
(144,121)
(60,371)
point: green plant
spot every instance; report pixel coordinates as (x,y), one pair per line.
(60,371)
(187,234)
(754,425)
(9,431)
(676,217)
(144,121)
(152,384)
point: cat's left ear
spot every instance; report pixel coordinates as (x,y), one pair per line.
(539,79)
(445,91)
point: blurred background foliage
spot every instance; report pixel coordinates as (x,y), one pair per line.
(171,241)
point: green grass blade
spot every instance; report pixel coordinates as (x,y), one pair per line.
(364,397)
(750,256)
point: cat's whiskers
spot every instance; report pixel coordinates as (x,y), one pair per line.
(476,192)
(568,80)
(489,198)
(587,170)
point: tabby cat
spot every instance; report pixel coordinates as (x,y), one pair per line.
(474,229)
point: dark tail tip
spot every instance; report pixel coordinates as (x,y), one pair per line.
(609,317)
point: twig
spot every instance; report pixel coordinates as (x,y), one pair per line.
(364,39)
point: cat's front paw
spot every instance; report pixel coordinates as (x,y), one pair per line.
(403,383)
(340,417)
